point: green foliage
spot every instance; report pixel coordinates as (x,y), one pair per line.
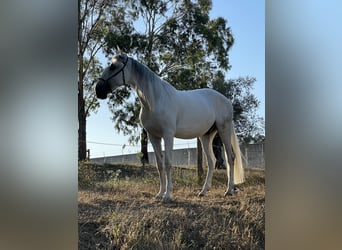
(139,155)
(115,176)
(182,44)
(93,70)
(96,18)
(179,42)
(86,175)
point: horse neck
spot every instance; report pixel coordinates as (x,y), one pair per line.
(148,85)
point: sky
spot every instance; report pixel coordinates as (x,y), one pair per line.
(247,58)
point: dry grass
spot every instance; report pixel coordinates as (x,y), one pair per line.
(118,211)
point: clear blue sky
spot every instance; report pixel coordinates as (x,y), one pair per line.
(247,57)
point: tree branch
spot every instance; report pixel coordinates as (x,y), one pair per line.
(94,99)
(93,52)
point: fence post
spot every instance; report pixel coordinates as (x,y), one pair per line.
(246,155)
(262,155)
(188,157)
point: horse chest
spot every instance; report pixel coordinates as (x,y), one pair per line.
(153,122)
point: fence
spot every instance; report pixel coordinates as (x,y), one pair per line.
(253,156)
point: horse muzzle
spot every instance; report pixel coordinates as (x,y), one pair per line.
(102,89)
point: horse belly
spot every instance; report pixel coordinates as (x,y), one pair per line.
(187,134)
(192,125)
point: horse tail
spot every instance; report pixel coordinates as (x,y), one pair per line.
(239,174)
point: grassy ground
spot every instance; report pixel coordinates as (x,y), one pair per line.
(117,210)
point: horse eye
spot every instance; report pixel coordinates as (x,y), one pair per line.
(112,67)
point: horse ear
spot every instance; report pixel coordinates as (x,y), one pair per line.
(118,49)
(114,60)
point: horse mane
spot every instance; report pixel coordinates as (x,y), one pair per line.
(147,76)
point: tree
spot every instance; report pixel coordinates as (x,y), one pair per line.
(179,42)
(95,19)
(89,43)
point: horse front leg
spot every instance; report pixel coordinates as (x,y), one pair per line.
(156,144)
(168,140)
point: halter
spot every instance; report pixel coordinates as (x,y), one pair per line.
(121,70)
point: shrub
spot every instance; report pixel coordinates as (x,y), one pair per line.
(86,174)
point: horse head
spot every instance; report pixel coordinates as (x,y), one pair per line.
(111,78)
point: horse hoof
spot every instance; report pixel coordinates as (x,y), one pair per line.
(159,196)
(228,194)
(231,191)
(201,194)
(166,198)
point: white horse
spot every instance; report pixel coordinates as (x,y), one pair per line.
(167,113)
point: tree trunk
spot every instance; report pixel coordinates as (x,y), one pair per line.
(82,118)
(199,161)
(217,149)
(82,145)
(144,141)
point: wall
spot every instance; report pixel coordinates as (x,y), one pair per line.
(253,156)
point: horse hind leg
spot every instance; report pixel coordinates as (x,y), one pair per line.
(225,135)
(230,171)
(206,141)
